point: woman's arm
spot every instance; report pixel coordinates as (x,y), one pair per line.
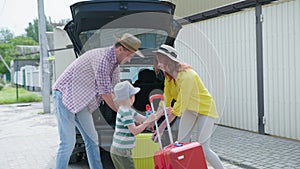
(163,125)
(186,85)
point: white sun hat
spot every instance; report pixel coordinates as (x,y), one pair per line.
(168,51)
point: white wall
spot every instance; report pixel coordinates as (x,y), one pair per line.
(223,51)
(281,68)
(226,47)
(64,57)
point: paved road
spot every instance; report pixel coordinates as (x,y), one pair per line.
(251,150)
(29,140)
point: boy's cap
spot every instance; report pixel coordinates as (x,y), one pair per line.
(124,90)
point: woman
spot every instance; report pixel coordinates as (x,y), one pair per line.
(193,103)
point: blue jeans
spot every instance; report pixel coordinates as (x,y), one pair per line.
(67,121)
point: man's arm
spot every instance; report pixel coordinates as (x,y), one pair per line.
(108,98)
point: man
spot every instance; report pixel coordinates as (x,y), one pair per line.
(79,90)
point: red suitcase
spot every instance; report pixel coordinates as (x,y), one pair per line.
(178,155)
(182,156)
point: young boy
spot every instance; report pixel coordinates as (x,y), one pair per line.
(126,128)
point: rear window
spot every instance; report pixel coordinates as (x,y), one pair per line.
(150,38)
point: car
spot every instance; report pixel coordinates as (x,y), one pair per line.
(93,25)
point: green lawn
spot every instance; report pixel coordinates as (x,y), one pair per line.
(8,95)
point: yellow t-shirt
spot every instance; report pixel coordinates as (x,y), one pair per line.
(190,94)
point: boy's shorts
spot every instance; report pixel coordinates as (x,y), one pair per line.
(122,158)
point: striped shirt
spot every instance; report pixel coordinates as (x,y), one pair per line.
(123,138)
(94,73)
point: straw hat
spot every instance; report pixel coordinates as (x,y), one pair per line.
(130,42)
(124,90)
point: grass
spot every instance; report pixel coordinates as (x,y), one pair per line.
(8,95)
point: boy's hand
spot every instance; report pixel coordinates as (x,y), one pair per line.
(151,118)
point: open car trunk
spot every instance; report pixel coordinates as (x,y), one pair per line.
(152,21)
(93,25)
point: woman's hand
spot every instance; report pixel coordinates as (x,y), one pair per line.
(161,129)
(160,111)
(163,125)
(170,110)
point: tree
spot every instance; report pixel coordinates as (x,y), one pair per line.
(33,29)
(8,45)
(64,21)
(7,50)
(5,35)
(23,40)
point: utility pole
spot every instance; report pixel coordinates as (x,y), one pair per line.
(44,63)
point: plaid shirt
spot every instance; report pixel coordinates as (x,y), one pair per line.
(94,73)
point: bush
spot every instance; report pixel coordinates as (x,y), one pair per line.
(1,86)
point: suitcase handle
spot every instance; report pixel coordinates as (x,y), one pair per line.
(156,96)
(161,97)
(176,144)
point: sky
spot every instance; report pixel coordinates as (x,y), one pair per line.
(15,15)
